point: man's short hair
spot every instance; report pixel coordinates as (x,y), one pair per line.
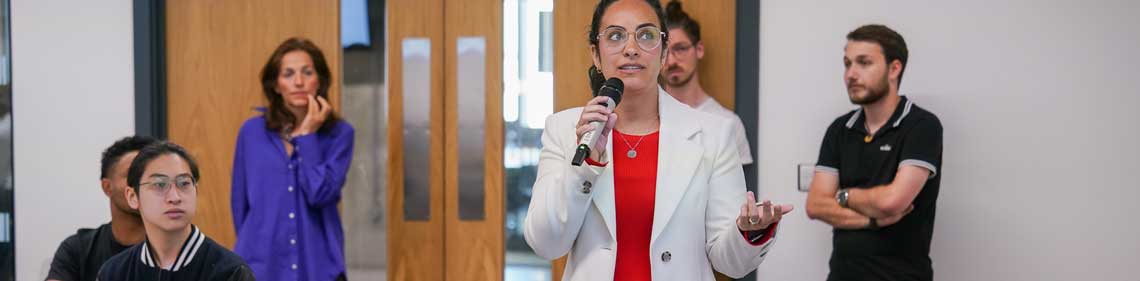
(893,45)
(121,147)
(153,151)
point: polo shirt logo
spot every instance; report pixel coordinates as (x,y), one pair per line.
(885,147)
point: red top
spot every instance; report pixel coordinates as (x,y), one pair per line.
(635,186)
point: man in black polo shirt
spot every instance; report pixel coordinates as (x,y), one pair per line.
(164,188)
(876,181)
(79,257)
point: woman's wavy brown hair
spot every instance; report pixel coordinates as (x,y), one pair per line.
(277,116)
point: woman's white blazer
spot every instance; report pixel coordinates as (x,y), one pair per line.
(700,189)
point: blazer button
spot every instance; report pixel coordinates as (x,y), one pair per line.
(666,256)
(586,187)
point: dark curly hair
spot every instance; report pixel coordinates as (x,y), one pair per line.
(120,148)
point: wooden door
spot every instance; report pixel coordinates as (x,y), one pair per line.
(214,54)
(474,244)
(415,243)
(440,242)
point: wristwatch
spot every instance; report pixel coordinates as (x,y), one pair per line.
(841,196)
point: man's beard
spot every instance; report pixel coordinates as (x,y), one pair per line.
(677,81)
(874,94)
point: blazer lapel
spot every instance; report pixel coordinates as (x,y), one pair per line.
(603,193)
(679,156)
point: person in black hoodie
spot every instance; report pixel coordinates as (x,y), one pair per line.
(164,188)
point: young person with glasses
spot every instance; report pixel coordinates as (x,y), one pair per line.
(164,189)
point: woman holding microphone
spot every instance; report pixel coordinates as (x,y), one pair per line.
(661,195)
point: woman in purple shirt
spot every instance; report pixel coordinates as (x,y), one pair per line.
(289,167)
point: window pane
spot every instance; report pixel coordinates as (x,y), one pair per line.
(364,105)
(528,97)
(7,257)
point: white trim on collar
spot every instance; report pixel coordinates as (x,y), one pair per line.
(185,255)
(906,110)
(854,117)
(144,255)
(859,111)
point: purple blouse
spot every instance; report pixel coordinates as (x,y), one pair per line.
(285,208)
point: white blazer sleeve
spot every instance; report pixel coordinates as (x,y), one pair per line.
(561,195)
(727,249)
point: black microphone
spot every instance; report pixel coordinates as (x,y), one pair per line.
(612,89)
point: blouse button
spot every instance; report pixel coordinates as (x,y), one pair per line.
(665,257)
(294,266)
(292,241)
(290,188)
(290,166)
(290,215)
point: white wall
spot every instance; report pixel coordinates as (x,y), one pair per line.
(73,95)
(1039,101)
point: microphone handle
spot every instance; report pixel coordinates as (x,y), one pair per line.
(588,139)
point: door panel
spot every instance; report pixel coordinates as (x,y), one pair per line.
(415,245)
(474,238)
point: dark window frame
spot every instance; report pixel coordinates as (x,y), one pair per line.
(748,84)
(150,67)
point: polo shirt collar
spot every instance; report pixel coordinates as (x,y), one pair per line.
(857,120)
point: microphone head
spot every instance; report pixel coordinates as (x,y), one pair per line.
(612,88)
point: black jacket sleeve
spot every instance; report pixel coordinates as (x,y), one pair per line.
(65,264)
